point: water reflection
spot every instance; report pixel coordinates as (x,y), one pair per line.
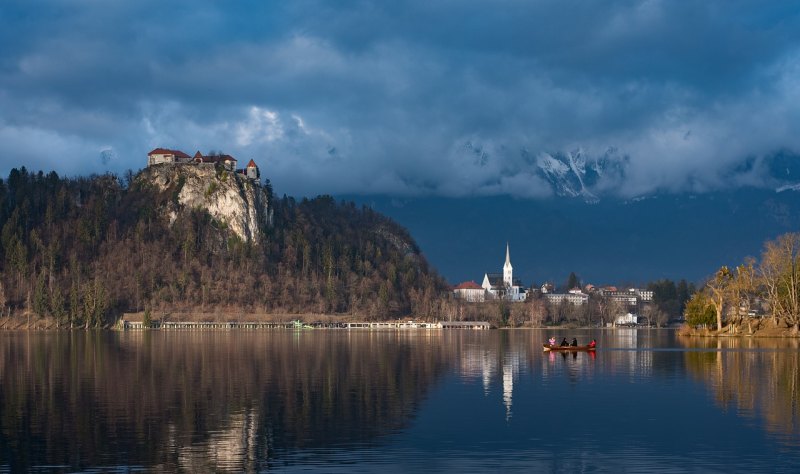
(491,359)
(757,378)
(254,401)
(204,401)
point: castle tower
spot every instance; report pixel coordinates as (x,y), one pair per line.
(508,269)
(252,170)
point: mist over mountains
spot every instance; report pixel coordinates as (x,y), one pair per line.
(592,176)
(604,239)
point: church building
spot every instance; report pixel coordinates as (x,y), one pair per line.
(504,285)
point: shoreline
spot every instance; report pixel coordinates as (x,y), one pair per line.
(764,329)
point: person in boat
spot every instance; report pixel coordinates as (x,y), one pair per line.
(593,343)
(574,342)
(564,342)
(552,341)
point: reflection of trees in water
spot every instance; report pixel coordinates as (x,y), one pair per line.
(206,400)
(757,377)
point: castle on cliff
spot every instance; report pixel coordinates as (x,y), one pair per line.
(166,156)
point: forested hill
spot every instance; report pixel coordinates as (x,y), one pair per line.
(85,250)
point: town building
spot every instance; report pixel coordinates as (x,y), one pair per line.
(628,319)
(470,291)
(631,298)
(576,297)
(644,295)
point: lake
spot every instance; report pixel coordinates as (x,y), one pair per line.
(396,401)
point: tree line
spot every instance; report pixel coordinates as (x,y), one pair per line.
(85,250)
(767,287)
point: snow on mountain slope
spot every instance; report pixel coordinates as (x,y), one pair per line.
(566,174)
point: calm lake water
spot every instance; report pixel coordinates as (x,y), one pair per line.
(396,401)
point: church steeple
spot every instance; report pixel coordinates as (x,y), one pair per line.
(508,269)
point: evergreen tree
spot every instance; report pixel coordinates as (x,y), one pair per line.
(573,281)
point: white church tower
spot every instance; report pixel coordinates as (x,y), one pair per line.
(508,270)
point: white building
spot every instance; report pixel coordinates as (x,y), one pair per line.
(577,298)
(629,319)
(470,291)
(630,297)
(644,295)
(503,285)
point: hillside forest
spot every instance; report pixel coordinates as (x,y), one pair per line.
(85,250)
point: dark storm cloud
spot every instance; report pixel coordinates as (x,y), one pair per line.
(438,97)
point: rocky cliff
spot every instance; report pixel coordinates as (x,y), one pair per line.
(232,200)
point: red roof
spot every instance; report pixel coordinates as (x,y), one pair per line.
(252,164)
(167,151)
(468,285)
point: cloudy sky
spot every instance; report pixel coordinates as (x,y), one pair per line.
(431,97)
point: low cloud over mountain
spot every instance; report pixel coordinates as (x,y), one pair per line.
(447,98)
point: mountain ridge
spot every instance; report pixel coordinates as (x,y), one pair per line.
(591,177)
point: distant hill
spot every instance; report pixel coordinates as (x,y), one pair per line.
(186,238)
(610,241)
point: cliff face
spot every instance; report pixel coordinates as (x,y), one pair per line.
(233,200)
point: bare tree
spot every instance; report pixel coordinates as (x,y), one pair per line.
(607,308)
(744,288)
(780,276)
(720,287)
(655,316)
(537,311)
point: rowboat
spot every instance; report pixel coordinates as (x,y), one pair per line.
(548,347)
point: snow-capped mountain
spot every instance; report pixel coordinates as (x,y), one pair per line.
(590,177)
(574,174)
(566,174)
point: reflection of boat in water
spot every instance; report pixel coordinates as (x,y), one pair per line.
(548,347)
